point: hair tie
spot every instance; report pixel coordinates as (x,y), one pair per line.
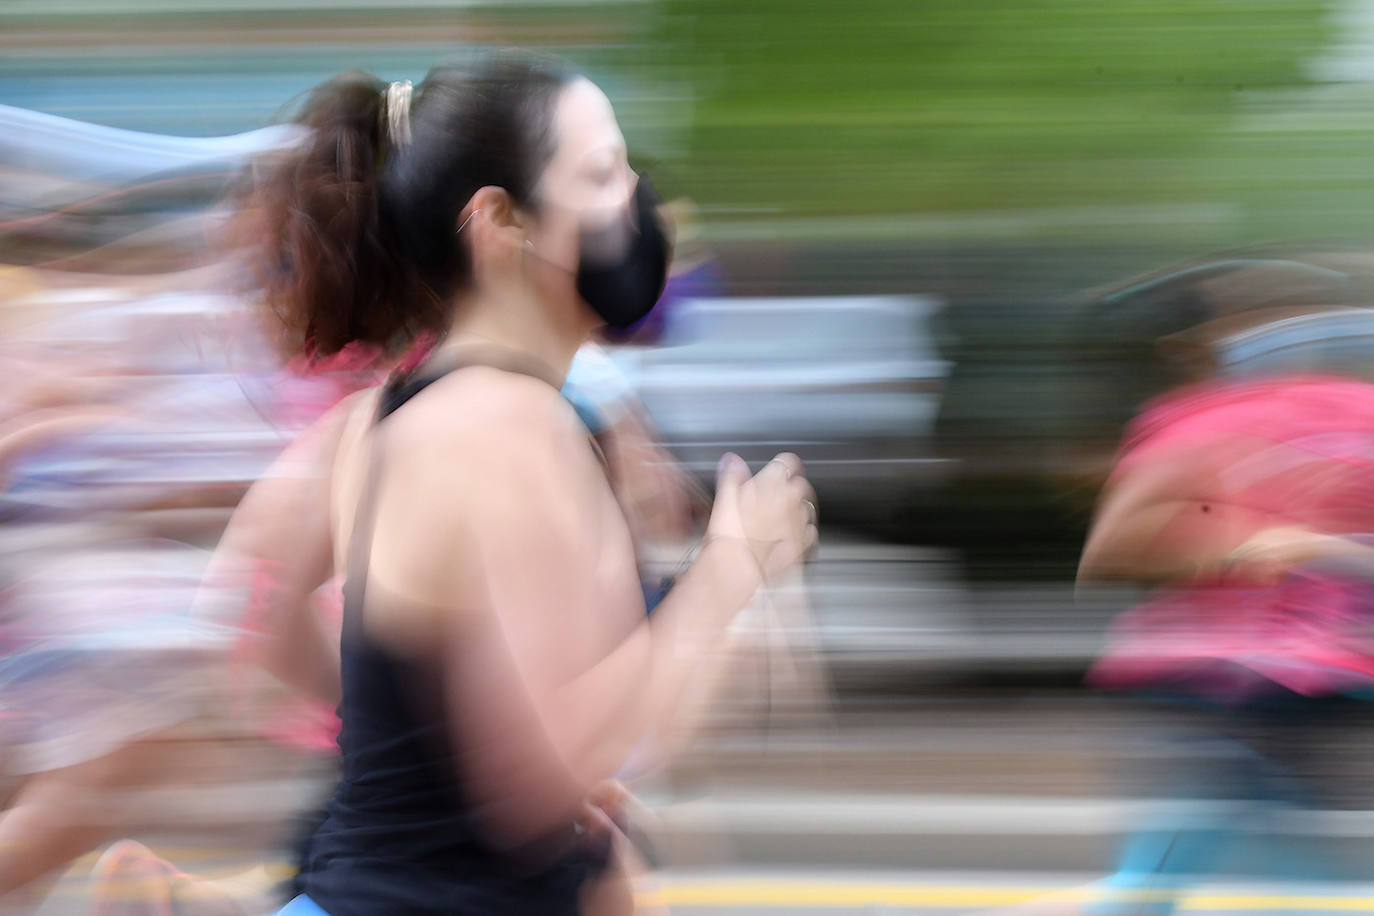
(397,99)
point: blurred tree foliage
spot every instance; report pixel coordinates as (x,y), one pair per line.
(947,106)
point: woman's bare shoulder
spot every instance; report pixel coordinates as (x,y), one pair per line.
(482,415)
(474,468)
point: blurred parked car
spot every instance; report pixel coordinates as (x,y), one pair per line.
(852,384)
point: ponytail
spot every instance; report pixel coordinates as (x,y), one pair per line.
(324,258)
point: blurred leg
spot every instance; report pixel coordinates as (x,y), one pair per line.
(59,815)
(1177,845)
(132,880)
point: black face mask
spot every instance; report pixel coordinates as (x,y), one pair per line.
(623,268)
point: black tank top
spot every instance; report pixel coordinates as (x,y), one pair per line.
(398,837)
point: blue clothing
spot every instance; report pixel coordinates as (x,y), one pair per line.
(302,906)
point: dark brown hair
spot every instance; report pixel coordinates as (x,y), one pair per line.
(353,233)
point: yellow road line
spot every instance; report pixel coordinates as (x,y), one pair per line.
(775,894)
(783,894)
(820,895)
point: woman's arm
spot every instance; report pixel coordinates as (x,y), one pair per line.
(527,547)
(1274,552)
(279,546)
(1167,518)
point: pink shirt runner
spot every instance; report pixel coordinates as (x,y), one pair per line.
(1295,450)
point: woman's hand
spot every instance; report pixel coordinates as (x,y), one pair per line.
(773,512)
(1270,555)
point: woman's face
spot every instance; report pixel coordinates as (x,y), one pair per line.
(587,185)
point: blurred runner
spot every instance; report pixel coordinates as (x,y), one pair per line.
(90,440)
(1250,503)
(502,666)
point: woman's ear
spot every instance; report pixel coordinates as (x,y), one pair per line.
(492,216)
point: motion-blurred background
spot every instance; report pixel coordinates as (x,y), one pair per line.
(947,251)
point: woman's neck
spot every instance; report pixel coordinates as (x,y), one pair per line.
(516,326)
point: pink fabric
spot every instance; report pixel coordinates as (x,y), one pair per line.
(299,722)
(310,386)
(307,389)
(1299,448)
(1311,635)
(1280,451)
